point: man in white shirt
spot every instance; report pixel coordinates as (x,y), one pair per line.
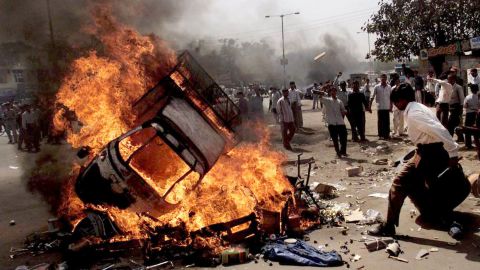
(315,96)
(334,113)
(381,93)
(30,125)
(432,179)
(472,107)
(444,93)
(286,118)
(473,77)
(452,94)
(296,102)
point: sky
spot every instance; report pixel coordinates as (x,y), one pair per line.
(245,20)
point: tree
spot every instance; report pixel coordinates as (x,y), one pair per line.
(403,27)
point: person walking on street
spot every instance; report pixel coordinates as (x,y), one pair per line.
(472,108)
(10,124)
(432,179)
(296,103)
(335,112)
(381,93)
(357,105)
(286,118)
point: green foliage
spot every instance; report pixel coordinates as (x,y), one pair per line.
(403,27)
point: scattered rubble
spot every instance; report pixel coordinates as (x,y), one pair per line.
(354,171)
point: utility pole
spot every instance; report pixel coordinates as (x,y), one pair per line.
(50,25)
(283,61)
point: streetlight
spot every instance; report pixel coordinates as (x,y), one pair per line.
(369,51)
(284,61)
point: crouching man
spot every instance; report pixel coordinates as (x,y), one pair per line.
(432,179)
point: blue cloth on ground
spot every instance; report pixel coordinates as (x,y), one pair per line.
(300,253)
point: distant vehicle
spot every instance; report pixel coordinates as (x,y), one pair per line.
(360,77)
(307,92)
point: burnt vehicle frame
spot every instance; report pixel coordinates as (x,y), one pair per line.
(184,108)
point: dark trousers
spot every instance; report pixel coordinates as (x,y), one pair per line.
(339,133)
(32,137)
(350,121)
(454,121)
(471,120)
(383,123)
(288,130)
(357,121)
(442,113)
(434,197)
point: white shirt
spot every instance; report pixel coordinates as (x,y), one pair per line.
(382,96)
(284,111)
(275,97)
(471,103)
(474,80)
(424,128)
(333,111)
(445,93)
(343,96)
(294,96)
(28,118)
(430,86)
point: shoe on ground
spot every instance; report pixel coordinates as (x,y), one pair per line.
(456,230)
(383,229)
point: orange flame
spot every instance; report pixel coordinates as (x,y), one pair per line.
(101,89)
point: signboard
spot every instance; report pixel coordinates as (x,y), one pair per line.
(475,43)
(444,50)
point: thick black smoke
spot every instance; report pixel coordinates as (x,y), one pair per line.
(248,62)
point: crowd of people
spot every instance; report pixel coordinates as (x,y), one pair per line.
(25,125)
(432,179)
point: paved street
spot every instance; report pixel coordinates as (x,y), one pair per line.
(31,214)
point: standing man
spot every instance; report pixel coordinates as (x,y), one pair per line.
(29,122)
(334,114)
(316,102)
(473,77)
(366,90)
(357,105)
(276,95)
(381,93)
(286,118)
(472,108)
(398,121)
(243,106)
(430,89)
(445,89)
(10,117)
(432,179)
(342,95)
(419,86)
(256,105)
(451,94)
(296,103)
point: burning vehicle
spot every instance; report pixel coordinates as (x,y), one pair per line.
(184,125)
(185,115)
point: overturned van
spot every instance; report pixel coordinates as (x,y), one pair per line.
(184,124)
